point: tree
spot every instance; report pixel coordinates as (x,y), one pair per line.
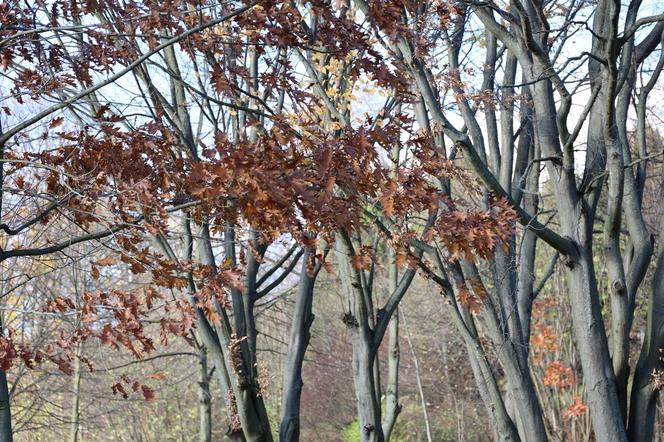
(532,38)
(201,141)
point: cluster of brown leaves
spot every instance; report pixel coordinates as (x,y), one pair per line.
(467,298)
(57,352)
(116,319)
(546,346)
(304,180)
(544,340)
(124,384)
(558,375)
(10,351)
(469,234)
(576,409)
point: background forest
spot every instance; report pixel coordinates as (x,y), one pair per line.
(331,220)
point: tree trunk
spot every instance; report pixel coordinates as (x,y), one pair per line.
(392,405)
(303,317)
(6,434)
(368,406)
(487,386)
(356,317)
(228,353)
(204,399)
(645,391)
(5,410)
(75,409)
(643,406)
(218,340)
(575,216)
(594,351)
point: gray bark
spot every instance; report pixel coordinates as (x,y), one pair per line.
(392,405)
(645,391)
(75,408)
(356,317)
(487,384)
(6,434)
(643,409)
(250,406)
(5,409)
(581,280)
(204,398)
(594,351)
(217,340)
(303,317)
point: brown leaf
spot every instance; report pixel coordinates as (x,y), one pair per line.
(361,261)
(94,271)
(108,261)
(55,122)
(400,260)
(148,393)
(159,375)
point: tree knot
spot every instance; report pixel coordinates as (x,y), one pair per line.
(570,259)
(350,320)
(618,286)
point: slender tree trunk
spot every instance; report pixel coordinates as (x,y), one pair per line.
(643,405)
(511,348)
(303,317)
(392,405)
(204,398)
(529,417)
(6,433)
(514,355)
(649,369)
(420,390)
(241,400)
(75,409)
(5,410)
(484,378)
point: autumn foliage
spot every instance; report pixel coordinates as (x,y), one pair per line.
(203,159)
